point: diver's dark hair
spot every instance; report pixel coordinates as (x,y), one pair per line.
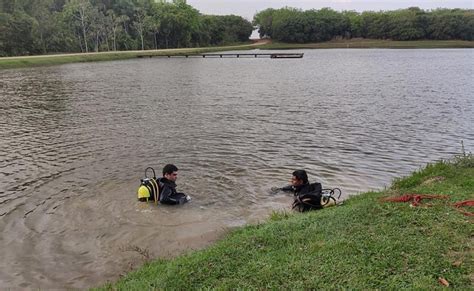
(169,169)
(301,175)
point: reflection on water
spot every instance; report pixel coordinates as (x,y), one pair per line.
(75,140)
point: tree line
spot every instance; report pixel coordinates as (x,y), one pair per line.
(49,26)
(298,26)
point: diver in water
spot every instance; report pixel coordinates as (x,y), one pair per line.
(168,193)
(307,195)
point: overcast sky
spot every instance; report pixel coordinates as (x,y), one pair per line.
(248,8)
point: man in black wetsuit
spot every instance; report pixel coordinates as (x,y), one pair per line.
(167,184)
(307,195)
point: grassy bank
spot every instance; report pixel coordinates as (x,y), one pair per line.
(363,244)
(48,60)
(374,43)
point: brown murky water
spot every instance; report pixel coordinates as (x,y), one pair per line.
(75,140)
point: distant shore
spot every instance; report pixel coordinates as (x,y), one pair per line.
(58,59)
(373,43)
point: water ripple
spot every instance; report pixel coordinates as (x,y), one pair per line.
(75,140)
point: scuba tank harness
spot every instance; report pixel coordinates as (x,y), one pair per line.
(149,189)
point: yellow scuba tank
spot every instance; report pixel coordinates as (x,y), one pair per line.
(148,190)
(143,193)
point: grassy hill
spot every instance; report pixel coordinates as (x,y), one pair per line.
(366,243)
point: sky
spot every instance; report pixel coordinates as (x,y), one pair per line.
(248,8)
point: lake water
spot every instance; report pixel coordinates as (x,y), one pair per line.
(75,140)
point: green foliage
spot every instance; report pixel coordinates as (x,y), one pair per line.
(46,26)
(288,25)
(49,26)
(364,244)
(297,26)
(464,159)
(451,24)
(407,24)
(294,25)
(16,35)
(264,21)
(371,43)
(280,215)
(4,19)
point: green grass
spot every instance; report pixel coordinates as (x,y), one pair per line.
(49,60)
(373,43)
(363,244)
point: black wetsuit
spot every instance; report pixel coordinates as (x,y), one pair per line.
(168,194)
(307,196)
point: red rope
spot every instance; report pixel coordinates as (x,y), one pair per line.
(416,198)
(458,206)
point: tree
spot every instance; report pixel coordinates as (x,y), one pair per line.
(139,25)
(355,23)
(263,20)
(4,19)
(46,25)
(405,24)
(98,28)
(451,24)
(221,29)
(288,25)
(16,37)
(115,25)
(80,14)
(43,26)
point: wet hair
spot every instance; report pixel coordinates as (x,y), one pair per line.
(301,175)
(169,169)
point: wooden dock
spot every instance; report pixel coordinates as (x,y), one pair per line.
(232,55)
